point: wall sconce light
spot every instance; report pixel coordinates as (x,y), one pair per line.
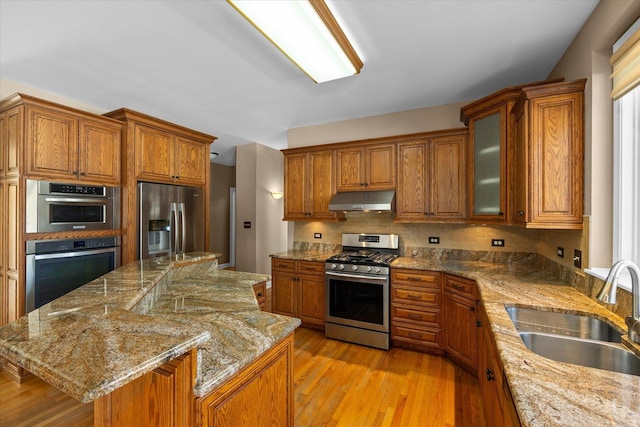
(277,195)
(212,156)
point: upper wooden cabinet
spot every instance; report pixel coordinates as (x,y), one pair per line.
(11,141)
(309,185)
(491,154)
(65,146)
(431,178)
(549,155)
(367,167)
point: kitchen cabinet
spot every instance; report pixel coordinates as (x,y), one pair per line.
(11,124)
(298,290)
(154,150)
(310,183)
(260,395)
(260,291)
(431,178)
(366,167)
(549,156)
(416,300)
(499,409)
(460,329)
(64,145)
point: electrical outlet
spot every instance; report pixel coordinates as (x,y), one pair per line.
(560,252)
(577,258)
(317,235)
(497,242)
(434,240)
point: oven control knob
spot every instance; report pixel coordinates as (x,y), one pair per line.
(368,269)
(354,267)
(333,266)
(341,267)
(377,270)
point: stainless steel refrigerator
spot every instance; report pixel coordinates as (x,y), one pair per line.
(170,220)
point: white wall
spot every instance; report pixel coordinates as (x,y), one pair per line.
(259,171)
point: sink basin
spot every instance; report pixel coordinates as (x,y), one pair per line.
(594,354)
(565,324)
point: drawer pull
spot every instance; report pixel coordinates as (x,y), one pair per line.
(414,279)
(414,296)
(414,316)
(458,287)
(259,294)
(414,335)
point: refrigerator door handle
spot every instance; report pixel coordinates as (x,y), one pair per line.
(174,228)
(182,213)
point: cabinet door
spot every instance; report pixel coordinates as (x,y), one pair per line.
(99,152)
(412,195)
(380,167)
(283,293)
(191,160)
(154,153)
(448,195)
(312,299)
(461,335)
(487,166)
(295,191)
(350,169)
(10,148)
(321,183)
(52,144)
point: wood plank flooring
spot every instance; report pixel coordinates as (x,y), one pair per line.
(336,384)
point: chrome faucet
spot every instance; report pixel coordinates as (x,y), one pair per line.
(608,294)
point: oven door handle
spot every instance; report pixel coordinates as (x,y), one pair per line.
(72,200)
(355,276)
(73,254)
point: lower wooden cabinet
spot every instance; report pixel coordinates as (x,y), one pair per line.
(298,290)
(162,397)
(499,409)
(416,310)
(260,395)
(460,321)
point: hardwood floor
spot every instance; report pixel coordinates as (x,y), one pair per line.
(336,384)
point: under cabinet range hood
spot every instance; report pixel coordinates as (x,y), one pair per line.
(363,201)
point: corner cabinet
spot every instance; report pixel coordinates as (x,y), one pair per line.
(461,321)
(549,156)
(431,178)
(367,167)
(310,183)
(157,151)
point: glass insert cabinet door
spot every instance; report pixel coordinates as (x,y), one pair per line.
(488,154)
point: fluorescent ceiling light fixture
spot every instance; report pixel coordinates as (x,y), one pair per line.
(306,32)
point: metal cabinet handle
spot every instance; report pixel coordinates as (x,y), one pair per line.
(414,316)
(415,335)
(414,296)
(521,213)
(490,375)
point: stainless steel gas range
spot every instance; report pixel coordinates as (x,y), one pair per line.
(357,294)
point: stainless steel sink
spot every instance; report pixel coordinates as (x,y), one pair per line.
(574,325)
(573,338)
(594,354)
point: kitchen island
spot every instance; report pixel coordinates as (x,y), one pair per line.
(545,392)
(173,325)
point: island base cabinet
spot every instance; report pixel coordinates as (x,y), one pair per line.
(260,395)
(162,397)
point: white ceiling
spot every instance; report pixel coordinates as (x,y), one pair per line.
(201,65)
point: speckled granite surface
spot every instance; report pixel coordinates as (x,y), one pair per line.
(132,320)
(546,392)
(315,255)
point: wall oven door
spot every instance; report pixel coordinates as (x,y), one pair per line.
(357,308)
(51,274)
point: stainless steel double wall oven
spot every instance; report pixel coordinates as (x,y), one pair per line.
(357,289)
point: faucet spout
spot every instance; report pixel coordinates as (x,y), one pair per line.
(608,294)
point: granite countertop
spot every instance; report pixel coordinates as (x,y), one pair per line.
(545,392)
(303,255)
(132,320)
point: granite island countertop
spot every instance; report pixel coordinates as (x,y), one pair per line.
(545,392)
(132,320)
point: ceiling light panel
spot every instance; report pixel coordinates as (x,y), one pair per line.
(307,33)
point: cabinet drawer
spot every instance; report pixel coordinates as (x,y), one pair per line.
(418,296)
(416,278)
(419,317)
(311,267)
(421,337)
(283,264)
(463,287)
